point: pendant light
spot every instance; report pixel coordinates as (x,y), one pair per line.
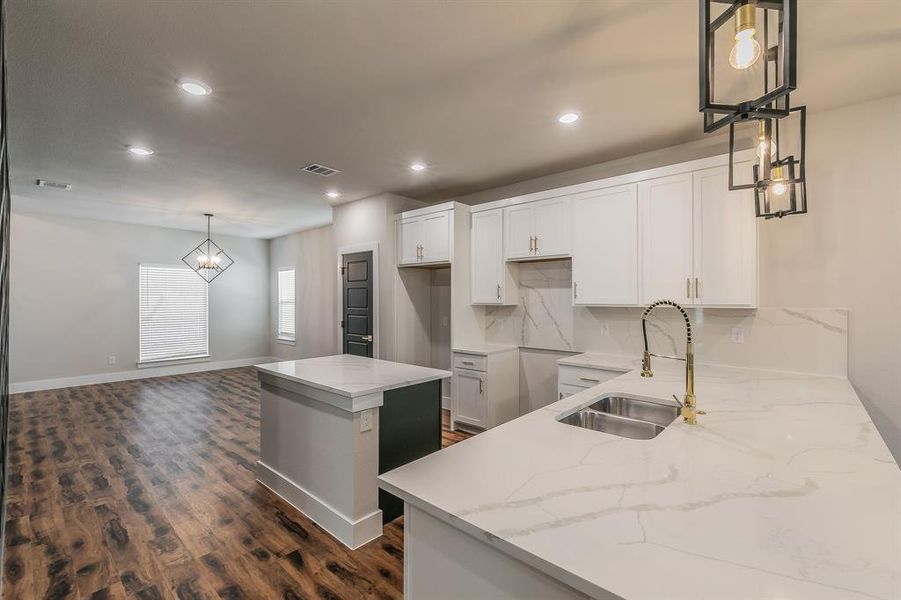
(207,259)
(748,59)
(778,170)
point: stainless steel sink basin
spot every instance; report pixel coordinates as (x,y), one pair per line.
(625,416)
(637,408)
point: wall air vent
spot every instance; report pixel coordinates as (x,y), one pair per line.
(321,170)
(53,184)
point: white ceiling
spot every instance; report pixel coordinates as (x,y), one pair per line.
(471,88)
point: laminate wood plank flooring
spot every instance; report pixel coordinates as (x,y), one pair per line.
(145,489)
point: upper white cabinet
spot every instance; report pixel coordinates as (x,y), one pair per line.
(425,239)
(492,279)
(537,230)
(698,240)
(666,238)
(605,247)
(725,242)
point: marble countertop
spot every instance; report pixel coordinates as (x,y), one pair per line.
(597,360)
(784,490)
(351,376)
(485,349)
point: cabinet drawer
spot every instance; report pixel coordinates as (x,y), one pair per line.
(470,361)
(583,376)
(565,390)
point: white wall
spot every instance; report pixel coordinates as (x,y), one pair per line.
(312,255)
(845,253)
(74,295)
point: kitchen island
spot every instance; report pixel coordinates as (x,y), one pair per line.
(330,425)
(783,491)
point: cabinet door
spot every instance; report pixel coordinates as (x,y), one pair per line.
(725,241)
(551,227)
(470,397)
(605,247)
(487,257)
(666,238)
(565,390)
(408,241)
(435,237)
(518,231)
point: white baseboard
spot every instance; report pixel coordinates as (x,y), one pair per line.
(144,373)
(352,534)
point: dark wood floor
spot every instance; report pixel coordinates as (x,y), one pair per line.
(145,489)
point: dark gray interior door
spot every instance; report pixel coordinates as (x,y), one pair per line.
(356,314)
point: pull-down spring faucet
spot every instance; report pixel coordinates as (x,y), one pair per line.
(689,405)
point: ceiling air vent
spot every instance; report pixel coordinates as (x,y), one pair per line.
(53,184)
(321,170)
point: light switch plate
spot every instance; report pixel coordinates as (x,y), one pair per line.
(738,335)
(366,420)
(605,328)
(110,360)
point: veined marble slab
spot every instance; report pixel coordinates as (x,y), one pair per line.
(351,376)
(806,340)
(485,349)
(784,490)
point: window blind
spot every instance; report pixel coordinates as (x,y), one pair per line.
(173,314)
(286,329)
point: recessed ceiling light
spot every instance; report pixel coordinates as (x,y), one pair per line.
(333,195)
(417,166)
(139,151)
(194,87)
(567,118)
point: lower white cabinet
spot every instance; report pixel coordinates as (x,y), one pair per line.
(485,388)
(572,380)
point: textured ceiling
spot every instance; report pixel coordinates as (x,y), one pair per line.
(470,88)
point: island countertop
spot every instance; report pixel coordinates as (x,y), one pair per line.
(783,491)
(351,376)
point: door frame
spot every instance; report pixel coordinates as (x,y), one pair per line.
(364,247)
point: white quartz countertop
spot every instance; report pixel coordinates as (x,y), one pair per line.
(484,349)
(351,376)
(783,491)
(597,360)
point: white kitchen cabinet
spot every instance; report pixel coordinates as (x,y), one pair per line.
(605,247)
(725,241)
(425,239)
(572,379)
(493,280)
(537,230)
(698,240)
(485,386)
(666,238)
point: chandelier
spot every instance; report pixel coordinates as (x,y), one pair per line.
(207,259)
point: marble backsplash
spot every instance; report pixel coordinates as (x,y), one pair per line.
(809,340)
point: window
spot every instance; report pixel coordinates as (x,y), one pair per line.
(285,328)
(173,314)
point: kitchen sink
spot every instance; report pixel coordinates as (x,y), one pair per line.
(625,416)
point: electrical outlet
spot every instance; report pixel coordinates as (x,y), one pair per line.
(605,328)
(366,420)
(111,360)
(445,321)
(738,335)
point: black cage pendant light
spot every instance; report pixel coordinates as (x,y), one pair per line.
(207,259)
(748,59)
(779,181)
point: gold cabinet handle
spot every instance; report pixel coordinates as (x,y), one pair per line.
(498,291)
(590,379)
(481,386)
(575,290)
(697,289)
(536,245)
(467,362)
(688,287)
(531,244)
